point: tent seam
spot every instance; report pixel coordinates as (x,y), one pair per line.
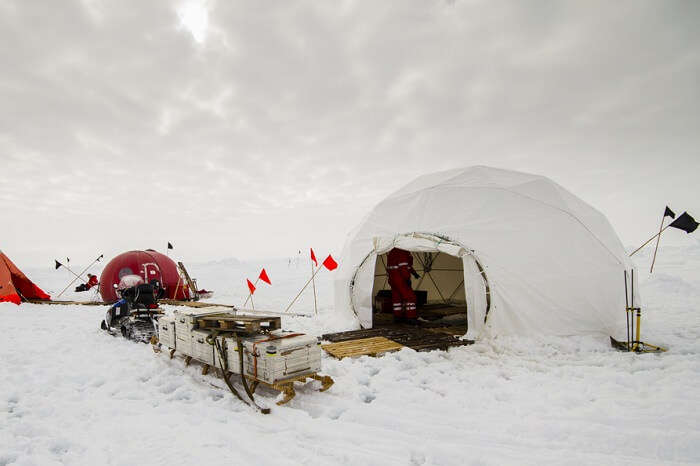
(538,201)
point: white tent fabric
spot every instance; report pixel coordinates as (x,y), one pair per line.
(550,263)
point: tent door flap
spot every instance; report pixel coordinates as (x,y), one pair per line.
(475,289)
(364,280)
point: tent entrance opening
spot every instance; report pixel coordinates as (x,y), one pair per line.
(440,292)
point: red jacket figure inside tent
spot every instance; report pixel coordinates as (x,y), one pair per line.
(399,268)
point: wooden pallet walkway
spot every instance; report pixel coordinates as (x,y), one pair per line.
(418,339)
(374,346)
(454,330)
(437,311)
(427,320)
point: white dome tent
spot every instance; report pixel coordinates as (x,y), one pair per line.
(521,254)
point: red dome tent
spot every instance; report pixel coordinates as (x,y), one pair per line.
(149,265)
(14,285)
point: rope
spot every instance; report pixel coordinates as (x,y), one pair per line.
(223,363)
(239,343)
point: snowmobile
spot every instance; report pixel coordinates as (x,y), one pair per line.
(135,315)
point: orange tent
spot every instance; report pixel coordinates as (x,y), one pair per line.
(14,285)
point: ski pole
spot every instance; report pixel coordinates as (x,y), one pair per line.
(638,310)
(314,285)
(632,307)
(627,313)
(634,340)
(85,270)
(250,295)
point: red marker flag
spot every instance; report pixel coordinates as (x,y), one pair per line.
(251,287)
(329,263)
(313,257)
(263,276)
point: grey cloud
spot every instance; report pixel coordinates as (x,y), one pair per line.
(293,118)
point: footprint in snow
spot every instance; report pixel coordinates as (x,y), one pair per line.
(60,447)
(98,383)
(363,379)
(335,413)
(417,458)
(7,459)
(169,388)
(367,397)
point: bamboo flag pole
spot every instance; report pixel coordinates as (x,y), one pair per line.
(250,295)
(85,270)
(650,239)
(68,269)
(314,285)
(303,288)
(658,240)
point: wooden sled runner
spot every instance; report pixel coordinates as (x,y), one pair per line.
(287,386)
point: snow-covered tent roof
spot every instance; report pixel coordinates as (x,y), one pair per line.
(537,259)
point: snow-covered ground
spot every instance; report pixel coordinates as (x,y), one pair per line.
(71,395)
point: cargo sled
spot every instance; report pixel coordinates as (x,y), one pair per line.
(252,348)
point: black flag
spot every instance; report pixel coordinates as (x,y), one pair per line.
(58,264)
(685,222)
(170,246)
(669,213)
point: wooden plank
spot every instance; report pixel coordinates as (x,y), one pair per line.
(65,303)
(197,304)
(353,335)
(225,317)
(444,309)
(362,347)
(454,330)
(200,304)
(211,320)
(373,346)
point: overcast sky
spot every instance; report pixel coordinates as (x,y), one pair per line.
(253,129)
